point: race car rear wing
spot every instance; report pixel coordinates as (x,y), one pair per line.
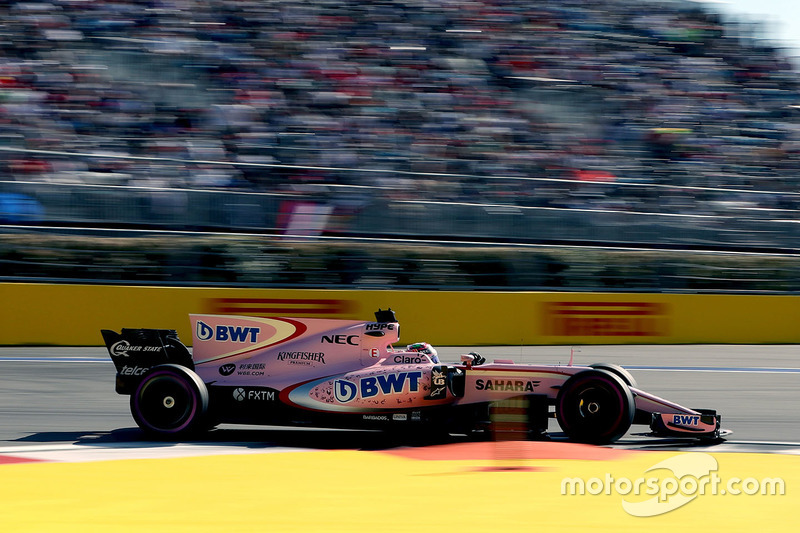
(135,351)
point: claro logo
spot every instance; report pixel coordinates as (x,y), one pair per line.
(224,333)
(606,319)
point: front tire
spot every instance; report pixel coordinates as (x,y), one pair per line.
(595,406)
(171,401)
(626,376)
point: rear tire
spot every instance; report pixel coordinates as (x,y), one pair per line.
(171,401)
(595,406)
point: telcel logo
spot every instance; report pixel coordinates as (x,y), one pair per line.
(227,333)
(133,370)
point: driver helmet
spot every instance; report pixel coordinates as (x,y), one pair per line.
(427,349)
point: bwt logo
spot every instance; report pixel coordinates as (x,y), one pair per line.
(686,420)
(226,333)
(346,391)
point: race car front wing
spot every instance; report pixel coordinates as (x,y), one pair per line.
(703,425)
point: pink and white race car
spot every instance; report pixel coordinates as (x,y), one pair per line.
(347,374)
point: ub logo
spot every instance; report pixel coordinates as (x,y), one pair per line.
(438,385)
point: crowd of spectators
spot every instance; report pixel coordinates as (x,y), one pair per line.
(614,104)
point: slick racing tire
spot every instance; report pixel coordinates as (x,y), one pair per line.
(595,406)
(171,401)
(626,376)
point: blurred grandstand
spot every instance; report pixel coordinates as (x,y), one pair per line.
(560,144)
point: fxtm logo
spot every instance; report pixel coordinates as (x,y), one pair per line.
(346,391)
(227,333)
(241,395)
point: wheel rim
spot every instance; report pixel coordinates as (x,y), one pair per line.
(166,403)
(599,407)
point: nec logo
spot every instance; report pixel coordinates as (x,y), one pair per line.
(686,420)
(226,333)
(352,340)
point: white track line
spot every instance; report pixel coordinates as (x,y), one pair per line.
(78,453)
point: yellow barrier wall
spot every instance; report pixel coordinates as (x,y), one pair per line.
(72,315)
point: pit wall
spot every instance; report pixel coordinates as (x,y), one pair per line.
(72,315)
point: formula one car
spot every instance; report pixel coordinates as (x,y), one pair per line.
(347,374)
